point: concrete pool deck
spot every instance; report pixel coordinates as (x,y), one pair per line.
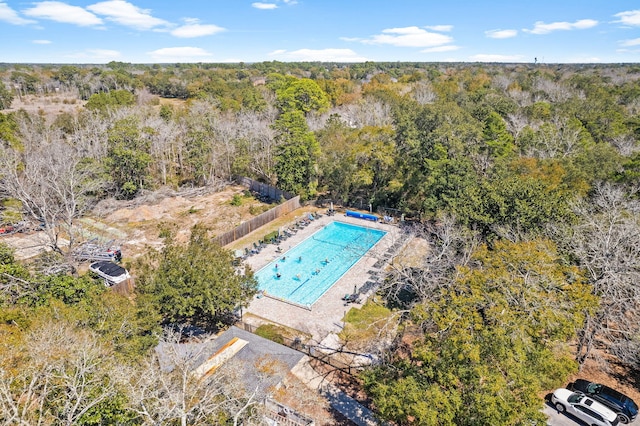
(326,314)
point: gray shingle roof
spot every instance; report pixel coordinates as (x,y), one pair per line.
(258,349)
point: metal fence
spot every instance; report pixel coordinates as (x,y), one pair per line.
(264,189)
(284,415)
(258,221)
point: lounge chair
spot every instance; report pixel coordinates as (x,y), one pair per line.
(350,298)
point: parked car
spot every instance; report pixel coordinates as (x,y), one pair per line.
(622,405)
(110,272)
(584,408)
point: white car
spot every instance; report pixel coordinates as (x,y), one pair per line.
(581,406)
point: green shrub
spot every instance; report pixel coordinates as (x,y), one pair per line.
(236,200)
(268,237)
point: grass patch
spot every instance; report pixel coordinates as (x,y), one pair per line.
(281,334)
(256,209)
(11,211)
(365,324)
(272,332)
(240,199)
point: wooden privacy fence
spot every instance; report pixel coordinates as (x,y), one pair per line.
(258,221)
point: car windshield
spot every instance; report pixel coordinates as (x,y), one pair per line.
(594,388)
(574,397)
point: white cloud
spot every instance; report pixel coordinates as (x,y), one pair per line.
(496,58)
(542,28)
(194,29)
(104,53)
(127,14)
(11,16)
(441,28)
(264,6)
(95,55)
(630,17)
(180,54)
(322,55)
(408,37)
(501,33)
(447,48)
(629,43)
(62,12)
(41,41)
(291,2)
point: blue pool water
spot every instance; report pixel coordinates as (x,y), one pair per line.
(305,274)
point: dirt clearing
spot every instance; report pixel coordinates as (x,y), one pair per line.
(135,225)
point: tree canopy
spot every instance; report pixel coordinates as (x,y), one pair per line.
(194,283)
(519,179)
(494,340)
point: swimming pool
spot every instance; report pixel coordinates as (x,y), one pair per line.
(305,272)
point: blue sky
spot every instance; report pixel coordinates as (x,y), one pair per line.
(157,31)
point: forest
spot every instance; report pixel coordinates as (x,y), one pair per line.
(522,178)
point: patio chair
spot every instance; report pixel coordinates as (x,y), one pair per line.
(350,298)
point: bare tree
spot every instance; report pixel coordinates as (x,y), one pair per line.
(169,388)
(58,376)
(167,139)
(54,183)
(447,246)
(626,145)
(554,91)
(90,134)
(516,122)
(606,243)
(502,82)
(424,93)
(561,138)
(256,129)
(366,113)
(523,98)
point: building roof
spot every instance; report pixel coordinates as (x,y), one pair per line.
(256,350)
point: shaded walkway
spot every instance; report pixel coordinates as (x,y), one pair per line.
(349,407)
